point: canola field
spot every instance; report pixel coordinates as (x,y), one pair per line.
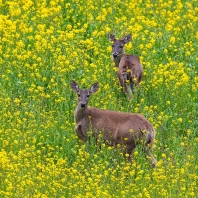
(44,44)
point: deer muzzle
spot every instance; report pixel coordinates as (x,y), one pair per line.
(83,105)
(115,55)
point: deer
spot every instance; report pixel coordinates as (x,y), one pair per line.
(130,70)
(126,129)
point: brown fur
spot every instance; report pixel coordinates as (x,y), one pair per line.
(117,127)
(129,66)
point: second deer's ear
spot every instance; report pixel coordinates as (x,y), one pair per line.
(94,88)
(127,38)
(74,86)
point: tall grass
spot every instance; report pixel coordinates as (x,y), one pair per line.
(46,44)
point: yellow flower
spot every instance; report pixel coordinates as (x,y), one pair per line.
(163,155)
(182,144)
(172,40)
(165,51)
(180,120)
(188,131)
(126,155)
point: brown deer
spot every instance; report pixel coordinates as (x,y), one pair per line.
(129,66)
(126,129)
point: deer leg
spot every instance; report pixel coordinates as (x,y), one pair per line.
(127,85)
(137,91)
(138,85)
(130,92)
(131,85)
(80,133)
(147,150)
(129,151)
(122,84)
(123,79)
(130,78)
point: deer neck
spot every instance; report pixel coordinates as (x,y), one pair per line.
(79,113)
(117,60)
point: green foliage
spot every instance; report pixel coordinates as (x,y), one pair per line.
(46,44)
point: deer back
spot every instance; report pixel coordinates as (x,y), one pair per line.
(116,126)
(132,63)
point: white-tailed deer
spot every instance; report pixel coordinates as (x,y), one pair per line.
(126,129)
(129,66)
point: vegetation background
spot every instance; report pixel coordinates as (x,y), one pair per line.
(46,44)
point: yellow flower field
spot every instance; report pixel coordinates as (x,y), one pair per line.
(46,44)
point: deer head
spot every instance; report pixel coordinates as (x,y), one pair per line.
(83,94)
(118,45)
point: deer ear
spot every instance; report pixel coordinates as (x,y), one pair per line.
(127,38)
(111,37)
(94,88)
(74,86)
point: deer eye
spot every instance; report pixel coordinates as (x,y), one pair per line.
(121,46)
(87,96)
(113,46)
(78,95)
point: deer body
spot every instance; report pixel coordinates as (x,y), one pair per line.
(117,127)
(129,66)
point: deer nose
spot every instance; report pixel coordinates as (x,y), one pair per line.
(115,55)
(82,105)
